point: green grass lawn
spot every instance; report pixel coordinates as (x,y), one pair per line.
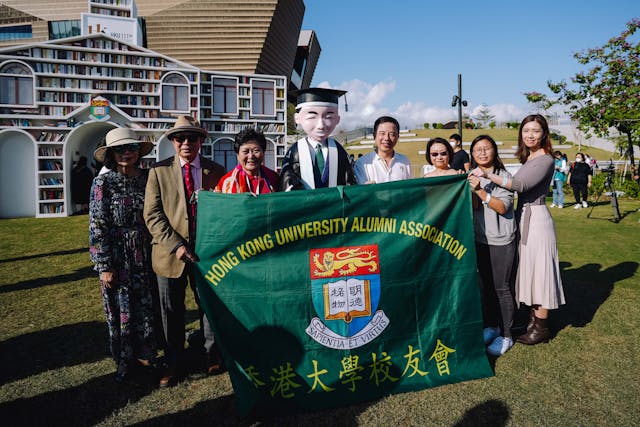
(55,369)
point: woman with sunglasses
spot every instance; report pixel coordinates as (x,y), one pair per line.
(495,231)
(120,248)
(439,154)
(250,175)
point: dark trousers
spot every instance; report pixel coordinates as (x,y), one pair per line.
(172,293)
(578,189)
(495,265)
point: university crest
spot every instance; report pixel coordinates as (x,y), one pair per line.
(345,289)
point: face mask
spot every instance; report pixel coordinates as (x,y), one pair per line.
(578,159)
(453,143)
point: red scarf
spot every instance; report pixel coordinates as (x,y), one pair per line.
(238,181)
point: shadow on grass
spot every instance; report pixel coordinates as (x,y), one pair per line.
(48,254)
(222,412)
(85,404)
(80,274)
(490,413)
(586,288)
(68,345)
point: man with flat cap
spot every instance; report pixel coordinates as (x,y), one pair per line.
(170,213)
(316,161)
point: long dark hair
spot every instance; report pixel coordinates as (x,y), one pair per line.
(522,153)
(497,162)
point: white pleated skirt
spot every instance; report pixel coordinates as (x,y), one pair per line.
(538,280)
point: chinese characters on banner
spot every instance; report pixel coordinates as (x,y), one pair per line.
(335,296)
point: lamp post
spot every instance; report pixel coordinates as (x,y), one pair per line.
(457,100)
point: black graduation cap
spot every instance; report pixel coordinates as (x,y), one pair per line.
(319,95)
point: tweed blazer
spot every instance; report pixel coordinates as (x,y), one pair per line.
(165,211)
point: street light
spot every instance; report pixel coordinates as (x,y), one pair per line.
(457,100)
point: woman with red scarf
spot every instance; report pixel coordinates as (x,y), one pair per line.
(250,175)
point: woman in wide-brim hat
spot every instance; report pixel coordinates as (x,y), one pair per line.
(120,248)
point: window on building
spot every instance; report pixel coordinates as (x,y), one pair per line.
(263,101)
(225,96)
(64,29)
(15,32)
(175,93)
(224,154)
(16,84)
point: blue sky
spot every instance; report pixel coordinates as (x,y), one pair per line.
(403,57)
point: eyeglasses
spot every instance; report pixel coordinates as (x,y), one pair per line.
(441,154)
(121,149)
(191,138)
(382,134)
(482,150)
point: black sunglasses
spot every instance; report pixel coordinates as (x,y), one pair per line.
(120,149)
(191,138)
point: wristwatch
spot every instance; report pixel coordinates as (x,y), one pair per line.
(487,199)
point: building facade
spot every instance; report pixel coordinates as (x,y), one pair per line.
(238,36)
(59,98)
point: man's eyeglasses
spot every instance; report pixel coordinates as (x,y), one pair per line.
(121,149)
(441,154)
(191,138)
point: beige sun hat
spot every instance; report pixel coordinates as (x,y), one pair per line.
(186,124)
(122,136)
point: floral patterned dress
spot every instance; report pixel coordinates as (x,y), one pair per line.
(119,242)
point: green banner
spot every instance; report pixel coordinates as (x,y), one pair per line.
(334,296)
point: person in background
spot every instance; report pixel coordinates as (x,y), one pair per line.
(538,282)
(460,159)
(316,161)
(250,175)
(383,164)
(496,245)
(81,180)
(439,154)
(559,177)
(120,248)
(580,180)
(170,211)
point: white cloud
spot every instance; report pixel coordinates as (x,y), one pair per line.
(367,103)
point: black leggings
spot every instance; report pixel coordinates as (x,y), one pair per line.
(495,265)
(578,189)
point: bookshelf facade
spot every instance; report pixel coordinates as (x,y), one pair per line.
(61,98)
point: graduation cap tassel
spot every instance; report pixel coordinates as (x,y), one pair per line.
(346,104)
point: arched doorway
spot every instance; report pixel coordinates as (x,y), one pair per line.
(18,187)
(165,148)
(82,141)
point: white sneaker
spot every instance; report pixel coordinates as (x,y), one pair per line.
(584,204)
(500,346)
(489,334)
(560,206)
(577,206)
(552,205)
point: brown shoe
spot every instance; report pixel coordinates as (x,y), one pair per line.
(532,317)
(169,377)
(215,365)
(539,332)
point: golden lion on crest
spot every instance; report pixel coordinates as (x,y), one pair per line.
(345,262)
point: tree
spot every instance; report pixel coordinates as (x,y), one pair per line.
(426,125)
(484,116)
(607,94)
